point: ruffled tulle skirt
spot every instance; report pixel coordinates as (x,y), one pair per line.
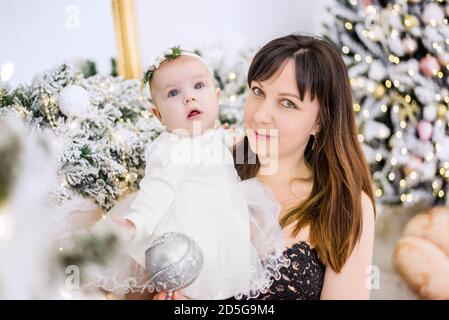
(237,229)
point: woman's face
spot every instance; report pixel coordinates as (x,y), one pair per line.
(277,122)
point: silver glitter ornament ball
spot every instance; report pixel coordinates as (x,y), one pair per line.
(173,262)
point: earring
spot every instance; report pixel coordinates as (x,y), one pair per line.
(314,142)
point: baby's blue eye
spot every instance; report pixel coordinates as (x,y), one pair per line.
(199,85)
(173,93)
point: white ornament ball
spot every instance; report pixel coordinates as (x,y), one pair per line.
(433,13)
(430,112)
(74,101)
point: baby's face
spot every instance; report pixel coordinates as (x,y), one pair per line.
(184,95)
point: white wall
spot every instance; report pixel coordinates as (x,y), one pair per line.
(38,34)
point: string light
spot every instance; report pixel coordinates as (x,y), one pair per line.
(383,133)
(394,59)
(371,10)
(394,33)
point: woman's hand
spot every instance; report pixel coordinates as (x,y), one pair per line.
(233,135)
(176,296)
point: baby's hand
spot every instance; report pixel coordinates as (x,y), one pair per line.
(125,224)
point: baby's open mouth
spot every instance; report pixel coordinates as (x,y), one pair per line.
(194,113)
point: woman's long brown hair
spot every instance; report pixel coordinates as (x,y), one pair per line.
(333,209)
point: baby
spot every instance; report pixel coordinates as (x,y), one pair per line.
(191,186)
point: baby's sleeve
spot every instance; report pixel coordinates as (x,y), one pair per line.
(163,176)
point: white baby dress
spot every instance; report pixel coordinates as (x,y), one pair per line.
(192,187)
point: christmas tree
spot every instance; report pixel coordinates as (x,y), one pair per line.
(397,54)
(105,124)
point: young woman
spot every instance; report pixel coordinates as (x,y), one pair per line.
(300,102)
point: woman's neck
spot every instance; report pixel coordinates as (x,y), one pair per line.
(290,184)
(287,169)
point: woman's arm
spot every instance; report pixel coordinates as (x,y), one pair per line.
(353,282)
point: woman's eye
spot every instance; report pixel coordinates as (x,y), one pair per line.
(199,85)
(257,91)
(173,93)
(288,104)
